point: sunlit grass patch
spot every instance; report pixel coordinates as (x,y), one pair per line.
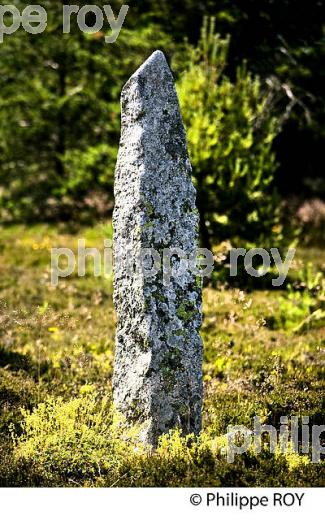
(57,355)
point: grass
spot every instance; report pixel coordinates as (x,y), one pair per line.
(56,361)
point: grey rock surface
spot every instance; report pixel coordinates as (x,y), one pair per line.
(158,361)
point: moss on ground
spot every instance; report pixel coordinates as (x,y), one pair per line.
(58,342)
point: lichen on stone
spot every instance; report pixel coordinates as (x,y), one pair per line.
(158,361)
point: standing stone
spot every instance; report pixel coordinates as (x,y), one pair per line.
(158,363)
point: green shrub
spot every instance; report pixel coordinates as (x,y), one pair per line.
(230,131)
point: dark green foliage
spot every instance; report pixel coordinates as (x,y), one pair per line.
(59,109)
(59,115)
(230,131)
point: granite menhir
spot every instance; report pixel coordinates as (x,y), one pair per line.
(158,363)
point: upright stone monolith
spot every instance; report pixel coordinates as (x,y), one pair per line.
(158,363)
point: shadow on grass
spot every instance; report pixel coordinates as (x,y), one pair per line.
(15,361)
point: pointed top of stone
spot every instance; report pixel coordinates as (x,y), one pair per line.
(155,64)
(156,61)
(152,78)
